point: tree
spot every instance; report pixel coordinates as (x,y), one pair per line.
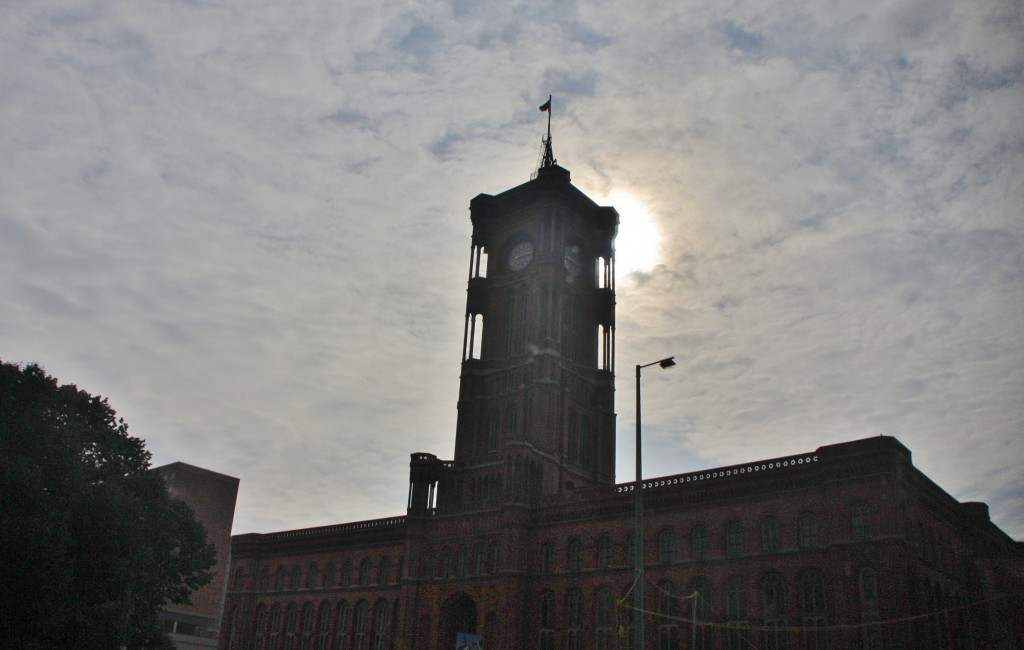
(92,543)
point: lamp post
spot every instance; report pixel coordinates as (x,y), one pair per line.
(638,533)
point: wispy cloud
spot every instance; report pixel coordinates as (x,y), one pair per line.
(247,224)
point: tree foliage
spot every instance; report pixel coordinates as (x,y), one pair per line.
(93,545)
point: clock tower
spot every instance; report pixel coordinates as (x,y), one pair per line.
(536,402)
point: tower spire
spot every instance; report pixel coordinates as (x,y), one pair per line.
(548,158)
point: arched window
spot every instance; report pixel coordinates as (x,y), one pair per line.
(493,559)
(428,567)
(574,620)
(295,581)
(445,563)
(233,625)
(587,443)
(773,610)
(547,553)
(868,589)
(575,555)
(461,561)
(239,579)
(547,621)
(328,577)
(666,542)
(472,345)
(704,635)
(604,552)
(861,521)
(274,628)
(572,435)
(867,584)
(280,578)
(291,624)
(479,559)
(264,584)
(323,626)
(699,542)
(346,573)
(380,625)
(770,540)
(733,539)
(736,613)
(306,627)
(604,619)
(512,419)
(493,429)
(343,627)
(808,530)
(228,622)
(312,573)
(361,626)
(812,594)
(812,608)
(524,318)
(365,567)
(626,621)
(259,626)
(668,615)
(384,572)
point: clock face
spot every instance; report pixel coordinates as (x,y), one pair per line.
(520,256)
(572,260)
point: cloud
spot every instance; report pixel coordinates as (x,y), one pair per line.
(247,225)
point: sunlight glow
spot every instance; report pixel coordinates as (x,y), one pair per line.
(637,244)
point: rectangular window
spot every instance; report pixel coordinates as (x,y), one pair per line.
(665,544)
(575,556)
(861,522)
(770,541)
(733,539)
(604,553)
(699,542)
(808,530)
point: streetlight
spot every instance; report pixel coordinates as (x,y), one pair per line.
(638,534)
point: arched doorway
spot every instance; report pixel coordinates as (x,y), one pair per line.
(458,614)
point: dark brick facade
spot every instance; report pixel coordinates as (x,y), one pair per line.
(850,537)
(524,539)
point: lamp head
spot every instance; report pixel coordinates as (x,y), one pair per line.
(667,363)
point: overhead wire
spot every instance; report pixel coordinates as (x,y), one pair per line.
(623,603)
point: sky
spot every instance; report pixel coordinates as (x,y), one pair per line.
(246,224)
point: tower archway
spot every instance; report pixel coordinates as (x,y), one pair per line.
(458,614)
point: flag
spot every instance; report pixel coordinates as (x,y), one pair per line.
(546,106)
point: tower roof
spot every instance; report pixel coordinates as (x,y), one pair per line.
(551,186)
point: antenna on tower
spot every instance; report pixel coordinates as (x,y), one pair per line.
(548,157)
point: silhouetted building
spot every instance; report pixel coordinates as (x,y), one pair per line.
(212,498)
(524,538)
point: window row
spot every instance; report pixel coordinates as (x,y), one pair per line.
(313,577)
(702,612)
(698,543)
(313,627)
(933,546)
(942,621)
(462,561)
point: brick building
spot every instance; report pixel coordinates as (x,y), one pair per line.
(212,498)
(525,540)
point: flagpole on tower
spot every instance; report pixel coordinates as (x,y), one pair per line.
(549,156)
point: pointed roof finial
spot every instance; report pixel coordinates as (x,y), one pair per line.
(548,158)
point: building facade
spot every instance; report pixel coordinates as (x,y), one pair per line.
(524,539)
(211,496)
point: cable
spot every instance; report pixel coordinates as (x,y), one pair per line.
(819,628)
